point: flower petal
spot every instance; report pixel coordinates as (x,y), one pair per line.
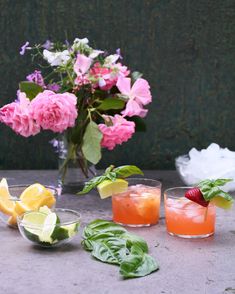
(124,85)
(140,91)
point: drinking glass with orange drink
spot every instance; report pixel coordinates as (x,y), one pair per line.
(139,205)
(191,212)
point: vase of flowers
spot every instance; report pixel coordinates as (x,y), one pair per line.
(86,95)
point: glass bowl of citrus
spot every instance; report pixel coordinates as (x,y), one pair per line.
(49,228)
(18,199)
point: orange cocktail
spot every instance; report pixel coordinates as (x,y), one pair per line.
(185,218)
(139,205)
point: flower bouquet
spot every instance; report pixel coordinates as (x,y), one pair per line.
(85,94)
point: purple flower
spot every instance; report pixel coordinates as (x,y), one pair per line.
(47,45)
(24,48)
(118,52)
(53,87)
(36,77)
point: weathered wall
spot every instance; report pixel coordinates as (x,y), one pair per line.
(185,49)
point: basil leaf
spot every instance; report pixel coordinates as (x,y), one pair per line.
(127,171)
(88,243)
(210,189)
(222,182)
(132,240)
(138,264)
(92,184)
(102,226)
(111,250)
(91,143)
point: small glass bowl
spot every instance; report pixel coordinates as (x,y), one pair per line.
(63,232)
(15,192)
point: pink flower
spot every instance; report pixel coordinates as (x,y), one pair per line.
(18,116)
(55,112)
(138,95)
(107,76)
(36,77)
(80,67)
(120,130)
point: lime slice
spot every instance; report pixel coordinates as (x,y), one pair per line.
(33,224)
(49,226)
(222,202)
(107,188)
(45,209)
(71,229)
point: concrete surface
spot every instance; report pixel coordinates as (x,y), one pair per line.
(186,266)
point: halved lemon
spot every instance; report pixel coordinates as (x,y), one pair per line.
(36,196)
(108,188)
(6,205)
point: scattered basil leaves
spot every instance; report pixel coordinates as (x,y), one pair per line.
(111,243)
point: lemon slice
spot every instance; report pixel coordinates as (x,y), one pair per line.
(108,188)
(21,208)
(222,202)
(6,205)
(36,196)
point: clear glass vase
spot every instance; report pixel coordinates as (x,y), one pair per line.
(74,169)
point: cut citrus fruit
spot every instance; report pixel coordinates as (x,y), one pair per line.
(6,205)
(21,208)
(12,221)
(108,188)
(49,226)
(36,196)
(33,224)
(222,202)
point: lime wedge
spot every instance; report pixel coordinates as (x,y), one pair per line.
(49,226)
(107,188)
(222,202)
(45,210)
(33,224)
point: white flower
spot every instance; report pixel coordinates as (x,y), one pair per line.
(81,41)
(95,53)
(56,58)
(111,59)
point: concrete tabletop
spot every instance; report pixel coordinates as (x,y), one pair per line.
(186,266)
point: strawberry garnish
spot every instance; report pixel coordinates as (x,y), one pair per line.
(195,195)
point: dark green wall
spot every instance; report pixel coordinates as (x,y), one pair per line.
(184,48)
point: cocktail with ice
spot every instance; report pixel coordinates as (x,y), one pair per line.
(139,205)
(185,218)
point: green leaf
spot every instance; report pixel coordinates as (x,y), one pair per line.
(88,242)
(30,89)
(102,226)
(135,76)
(91,143)
(111,103)
(138,264)
(111,250)
(222,182)
(210,189)
(92,184)
(132,240)
(127,171)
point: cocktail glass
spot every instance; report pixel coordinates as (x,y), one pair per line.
(140,205)
(185,218)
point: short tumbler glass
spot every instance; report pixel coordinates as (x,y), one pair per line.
(185,218)
(140,205)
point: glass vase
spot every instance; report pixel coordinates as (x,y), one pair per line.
(74,169)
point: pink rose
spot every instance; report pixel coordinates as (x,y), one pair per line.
(55,112)
(120,130)
(18,116)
